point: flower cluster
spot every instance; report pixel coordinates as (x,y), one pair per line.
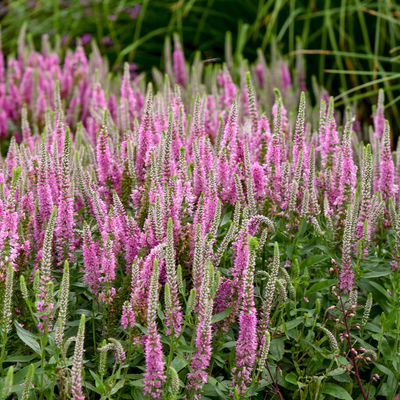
(149,192)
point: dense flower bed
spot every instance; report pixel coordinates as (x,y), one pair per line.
(214,239)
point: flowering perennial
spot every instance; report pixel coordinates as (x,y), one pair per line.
(177,209)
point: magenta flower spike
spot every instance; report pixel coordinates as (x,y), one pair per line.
(330,138)
(201,359)
(91,262)
(379,117)
(179,62)
(348,174)
(246,344)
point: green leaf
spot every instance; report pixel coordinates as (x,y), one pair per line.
(179,363)
(20,359)
(221,316)
(225,218)
(336,391)
(292,324)
(229,345)
(185,348)
(320,286)
(118,386)
(138,383)
(337,371)
(390,319)
(313,260)
(384,370)
(91,387)
(376,274)
(28,338)
(285,329)
(291,378)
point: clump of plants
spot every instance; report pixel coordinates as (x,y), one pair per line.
(187,237)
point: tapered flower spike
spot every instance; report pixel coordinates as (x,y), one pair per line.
(24,289)
(386,167)
(366,188)
(175,309)
(175,383)
(45,303)
(270,290)
(379,117)
(347,274)
(201,359)
(246,344)
(63,298)
(264,351)
(28,382)
(120,353)
(179,62)
(155,366)
(8,383)
(77,366)
(103,359)
(332,340)
(251,103)
(250,182)
(65,217)
(299,133)
(367,310)
(6,312)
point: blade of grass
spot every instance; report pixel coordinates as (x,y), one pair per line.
(202,22)
(366,94)
(391,103)
(345,72)
(377,35)
(364,85)
(286,25)
(271,24)
(335,47)
(323,43)
(344,54)
(137,43)
(138,28)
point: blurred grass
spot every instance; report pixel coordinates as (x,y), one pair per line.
(346,44)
